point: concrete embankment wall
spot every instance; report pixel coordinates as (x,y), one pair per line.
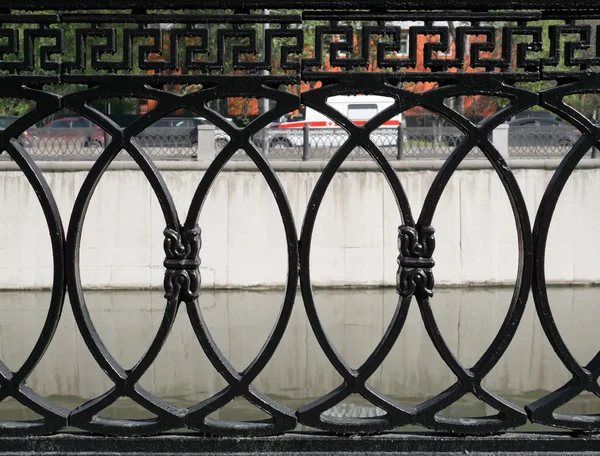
(354,242)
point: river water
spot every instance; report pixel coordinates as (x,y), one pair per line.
(299,372)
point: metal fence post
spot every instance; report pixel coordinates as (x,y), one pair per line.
(594,152)
(206,142)
(500,139)
(266,145)
(305,143)
(400,141)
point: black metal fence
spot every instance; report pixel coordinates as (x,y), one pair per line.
(82,49)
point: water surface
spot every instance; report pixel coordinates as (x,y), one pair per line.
(299,372)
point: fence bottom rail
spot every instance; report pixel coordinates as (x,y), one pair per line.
(306,444)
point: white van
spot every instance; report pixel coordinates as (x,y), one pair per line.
(324,132)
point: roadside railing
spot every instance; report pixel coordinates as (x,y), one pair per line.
(543,142)
(426,142)
(301,143)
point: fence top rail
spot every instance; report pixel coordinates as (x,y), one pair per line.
(295,166)
(473,5)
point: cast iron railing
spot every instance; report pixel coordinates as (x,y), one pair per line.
(123,54)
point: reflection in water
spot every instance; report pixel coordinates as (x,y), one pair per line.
(355,321)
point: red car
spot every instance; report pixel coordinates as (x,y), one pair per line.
(70,131)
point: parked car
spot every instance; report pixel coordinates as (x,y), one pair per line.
(526,131)
(222,138)
(536,121)
(172,132)
(6,121)
(535,114)
(178,132)
(541,131)
(72,131)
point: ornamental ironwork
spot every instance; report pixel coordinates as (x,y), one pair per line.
(243,53)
